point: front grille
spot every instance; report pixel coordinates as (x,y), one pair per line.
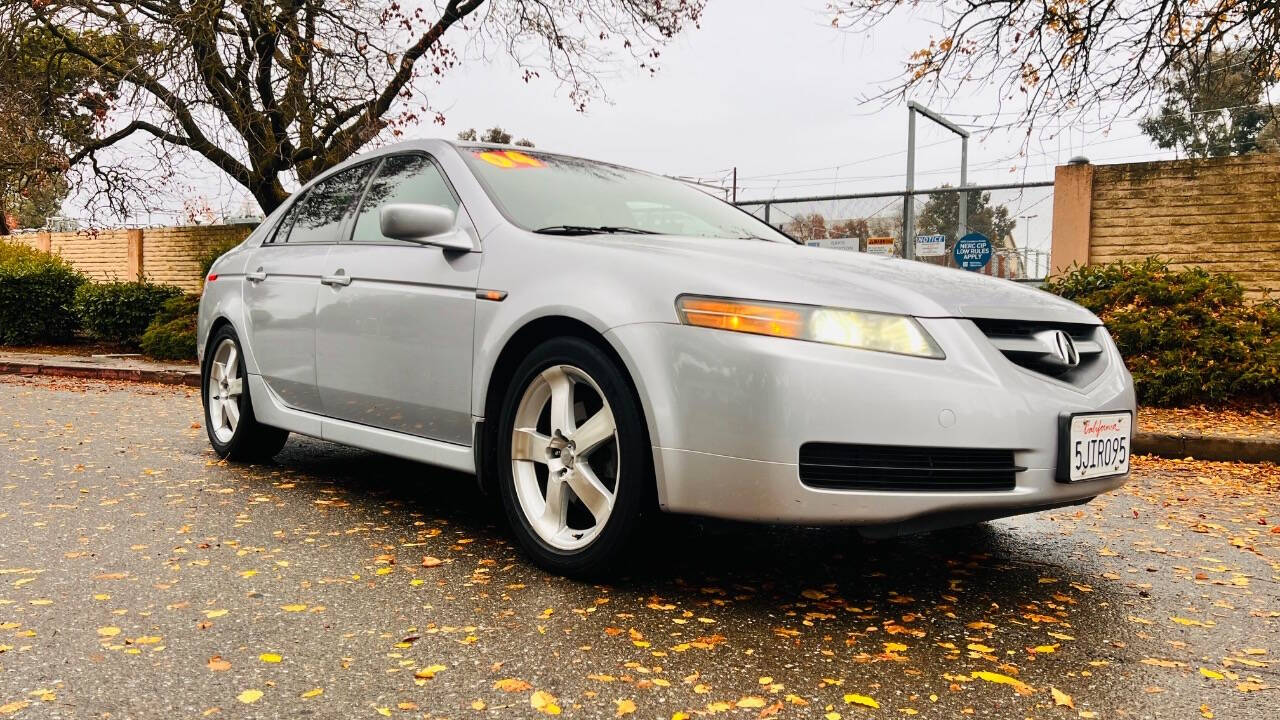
(840,466)
(1017,340)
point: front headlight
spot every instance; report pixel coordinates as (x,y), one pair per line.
(851,328)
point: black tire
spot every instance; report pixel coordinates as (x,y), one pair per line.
(632,462)
(250,440)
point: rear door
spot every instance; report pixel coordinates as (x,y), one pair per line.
(394,335)
(283,280)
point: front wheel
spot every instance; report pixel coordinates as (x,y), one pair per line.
(574,458)
(234,431)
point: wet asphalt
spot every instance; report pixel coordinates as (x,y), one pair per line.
(140,577)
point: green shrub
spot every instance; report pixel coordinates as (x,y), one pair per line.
(37,292)
(1188,336)
(120,312)
(172,334)
(222,247)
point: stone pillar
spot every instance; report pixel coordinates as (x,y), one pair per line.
(134,269)
(1072,212)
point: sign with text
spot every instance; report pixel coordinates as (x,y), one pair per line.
(972,252)
(931,245)
(879,246)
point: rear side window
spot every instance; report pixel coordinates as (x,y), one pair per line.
(281,233)
(320,214)
(401,179)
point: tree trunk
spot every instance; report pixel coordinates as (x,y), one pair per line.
(269,192)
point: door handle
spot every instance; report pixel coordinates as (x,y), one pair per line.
(340,279)
(255,276)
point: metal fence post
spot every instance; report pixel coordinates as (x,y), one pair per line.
(908,200)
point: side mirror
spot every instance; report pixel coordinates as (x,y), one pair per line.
(422,224)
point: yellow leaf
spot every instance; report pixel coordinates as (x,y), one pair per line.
(512,685)
(1157,662)
(979,647)
(1020,687)
(146,640)
(1044,648)
(13,707)
(855,699)
(751,701)
(249,696)
(270,658)
(1187,621)
(384,571)
(832,716)
(296,607)
(211,614)
(680,715)
(477,705)
(766,680)
(1062,699)
(625,707)
(429,671)
(1211,674)
(383,711)
(312,693)
(544,702)
(894,647)
(108,631)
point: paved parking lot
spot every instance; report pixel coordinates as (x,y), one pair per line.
(140,577)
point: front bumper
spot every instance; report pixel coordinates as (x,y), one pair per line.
(728,413)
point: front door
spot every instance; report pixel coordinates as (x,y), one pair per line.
(394,331)
(282,282)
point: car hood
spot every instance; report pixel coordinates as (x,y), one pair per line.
(762,270)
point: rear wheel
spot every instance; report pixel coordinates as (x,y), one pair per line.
(574,460)
(234,431)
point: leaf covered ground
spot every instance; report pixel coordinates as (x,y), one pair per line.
(140,577)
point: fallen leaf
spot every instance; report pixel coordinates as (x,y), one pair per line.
(249,696)
(217,664)
(109,631)
(296,607)
(312,693)
(429,561)
(1020,687)
(429,672)
(625,707)
(270,657)
(512,685)
(544,702)
(751,701)
(1062,699)
(1211,674)
(855,699)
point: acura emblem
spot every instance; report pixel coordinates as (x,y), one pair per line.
(1061,350)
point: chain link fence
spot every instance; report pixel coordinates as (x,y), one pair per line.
(1015,218)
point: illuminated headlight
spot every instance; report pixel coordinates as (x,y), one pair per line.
(851,328)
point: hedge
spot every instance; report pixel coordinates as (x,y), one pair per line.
(37,291)
(120,312)
(1188,336)
(172,334)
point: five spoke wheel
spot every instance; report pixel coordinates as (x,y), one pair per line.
(565,457)
(224,388)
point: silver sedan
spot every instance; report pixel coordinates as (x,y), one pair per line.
(596,343)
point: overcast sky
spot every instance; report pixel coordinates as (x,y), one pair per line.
(774,90)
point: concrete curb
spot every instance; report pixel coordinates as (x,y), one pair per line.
(1208,447)
(99,372)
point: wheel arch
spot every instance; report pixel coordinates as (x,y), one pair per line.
(517,346)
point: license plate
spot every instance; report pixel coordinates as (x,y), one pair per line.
(1094,445)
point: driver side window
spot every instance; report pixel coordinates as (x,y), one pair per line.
(400,179)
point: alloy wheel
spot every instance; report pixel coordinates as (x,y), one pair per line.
(224,389)
(565,457)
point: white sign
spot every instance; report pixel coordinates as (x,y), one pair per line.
(879,246)
(1097,445)
(836,244)
(931,245)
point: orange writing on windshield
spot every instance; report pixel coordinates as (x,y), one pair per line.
(508,159)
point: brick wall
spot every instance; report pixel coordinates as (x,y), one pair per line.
(162,255)
(1222,214)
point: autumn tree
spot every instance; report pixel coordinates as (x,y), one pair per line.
(495,135)
(941,216)
(1213,106)
(39,104)
(268,91)
(1073,58)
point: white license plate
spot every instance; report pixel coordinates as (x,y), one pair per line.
(1095,445)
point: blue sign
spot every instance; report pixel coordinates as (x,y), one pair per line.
(973,251)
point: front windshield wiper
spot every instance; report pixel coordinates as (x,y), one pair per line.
(592,230)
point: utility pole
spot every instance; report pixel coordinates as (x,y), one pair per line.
(909,209)
(735,185)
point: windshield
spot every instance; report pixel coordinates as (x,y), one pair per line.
(566,195)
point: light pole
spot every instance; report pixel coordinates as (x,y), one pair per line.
(1026,248)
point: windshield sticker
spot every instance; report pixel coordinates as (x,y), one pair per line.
(508,159)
